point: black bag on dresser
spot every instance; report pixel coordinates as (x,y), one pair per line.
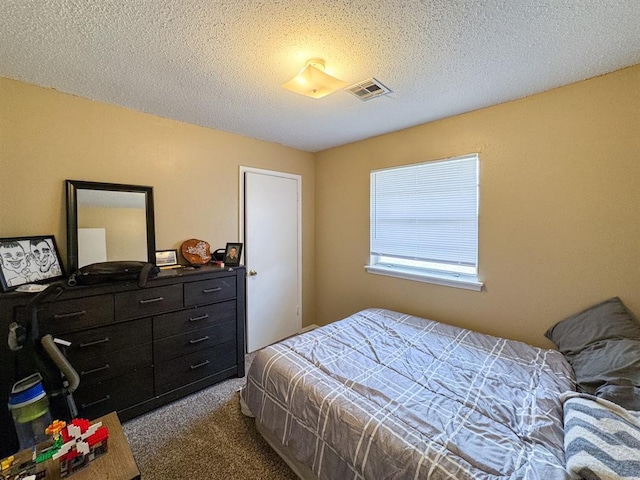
(104,272)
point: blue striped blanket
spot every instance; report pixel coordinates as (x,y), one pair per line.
(602,439)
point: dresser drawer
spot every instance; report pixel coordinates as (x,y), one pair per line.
(116,394)
(70,315)
(209,291)
(190,368)
(102,367)
(193,319)
(179,345)
(148,301)
(102,340)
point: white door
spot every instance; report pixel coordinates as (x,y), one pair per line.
(273,257)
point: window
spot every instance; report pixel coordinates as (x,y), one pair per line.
(424,222)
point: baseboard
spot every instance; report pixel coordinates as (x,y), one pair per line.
(308,328)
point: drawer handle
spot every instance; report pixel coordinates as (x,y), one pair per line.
(206,362)
(212,290)
(59,316)
(95,342)
(91,404)
(198,340)
(202,317)
(152,300)
(95,370)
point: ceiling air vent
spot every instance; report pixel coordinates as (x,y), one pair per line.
(368,89)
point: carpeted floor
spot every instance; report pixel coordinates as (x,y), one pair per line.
(203,436)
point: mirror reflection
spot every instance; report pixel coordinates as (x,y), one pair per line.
(109,222)
(111,226)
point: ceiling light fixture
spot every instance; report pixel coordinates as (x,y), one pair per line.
(313,82)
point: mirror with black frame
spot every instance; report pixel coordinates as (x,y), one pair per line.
(108,222)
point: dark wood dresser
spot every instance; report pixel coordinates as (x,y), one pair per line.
(136,348)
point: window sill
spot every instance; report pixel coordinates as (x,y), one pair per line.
(447,280)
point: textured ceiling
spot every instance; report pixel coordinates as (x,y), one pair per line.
(220,63)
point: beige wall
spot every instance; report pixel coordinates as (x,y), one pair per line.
(560,196)
(559,211)
(47,137)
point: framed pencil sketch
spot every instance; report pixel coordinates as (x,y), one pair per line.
(232,254)
(166,258)
(29,260)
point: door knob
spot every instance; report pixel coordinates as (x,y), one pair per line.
(252,273)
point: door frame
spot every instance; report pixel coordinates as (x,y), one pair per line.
(241,225)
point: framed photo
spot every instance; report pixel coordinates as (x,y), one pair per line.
(232,254)
(166,258)
(29,260)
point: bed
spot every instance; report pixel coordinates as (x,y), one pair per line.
(386,395)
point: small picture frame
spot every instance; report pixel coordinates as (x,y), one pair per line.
(166,258)
(232,254)
(26,260)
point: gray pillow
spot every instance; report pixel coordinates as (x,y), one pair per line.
(625,395)
(604,321)
(602,344)
(607,362)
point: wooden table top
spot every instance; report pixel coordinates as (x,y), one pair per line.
(117,464)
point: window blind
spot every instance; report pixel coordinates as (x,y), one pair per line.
(427,212)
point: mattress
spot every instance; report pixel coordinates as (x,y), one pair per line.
(386,395)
